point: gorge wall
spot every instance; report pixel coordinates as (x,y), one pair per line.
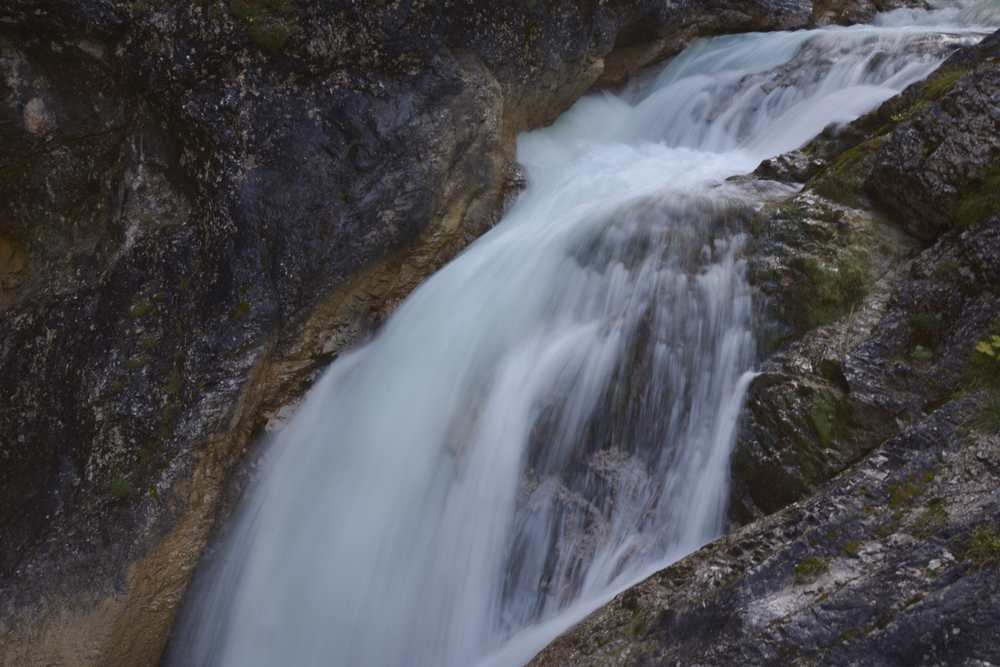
(205,202)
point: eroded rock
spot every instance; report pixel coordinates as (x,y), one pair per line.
(205,202)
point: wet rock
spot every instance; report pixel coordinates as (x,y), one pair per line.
(928,156)
(793,167)
(862,573)
(878,337)
(204,203)
(866,463)
(940,167)
(846,12)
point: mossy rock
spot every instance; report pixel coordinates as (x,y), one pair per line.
(987,416)
(927,329)
(12,256)
(120,488)
(823,415)
(843,181)
(941,82)
(903,494)
(931,520)
(983,367)
(240,310)
(141,308)
(269,23)
(983,548)
(810,569)
(799,437)
(852,548)
(826,290)
(979,206)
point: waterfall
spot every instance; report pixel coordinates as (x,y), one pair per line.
(548,418)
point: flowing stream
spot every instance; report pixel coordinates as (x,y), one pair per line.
(549,418)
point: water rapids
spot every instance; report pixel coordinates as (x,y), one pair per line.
(550,417)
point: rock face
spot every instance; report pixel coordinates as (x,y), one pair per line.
(887,566)
(888,375)
(829,12)
(203,203)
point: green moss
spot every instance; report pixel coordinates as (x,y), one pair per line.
(904,493)
(822,415)
(120,488)
(983,367)
(167,416)
(829,289)
(842,181)
(948,270)
(139,6)
(850,635)
(976,207)
(852,156)
(240,310)
(903,115)
(148,342)
(931,520)
(269,23)
(175,380)
(882,622)
(141,309)
(810,569)
(987,417)
(531,34)
(638,626)
(852,548)
(258,10)
(921,353)
(137,362)
(12,256)
(926,329)
(271,38)
(941,82)
(983,548)
(889,527)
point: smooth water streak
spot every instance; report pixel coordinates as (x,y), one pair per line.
(549,417)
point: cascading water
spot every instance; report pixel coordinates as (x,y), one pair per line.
(549,417)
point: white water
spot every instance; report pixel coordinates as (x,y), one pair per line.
(550,417)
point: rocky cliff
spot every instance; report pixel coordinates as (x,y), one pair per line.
(869,460)
(203,203)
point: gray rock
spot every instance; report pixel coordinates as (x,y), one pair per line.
(203,204)
(866,464)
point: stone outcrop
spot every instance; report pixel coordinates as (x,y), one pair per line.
(841,12)
(203,203)
(893,563)
(884,378)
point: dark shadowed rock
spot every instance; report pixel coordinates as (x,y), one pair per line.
(893,563)
(929,156)
(940,167)
(846,12)
(203,203)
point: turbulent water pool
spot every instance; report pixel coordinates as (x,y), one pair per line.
(549,418)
